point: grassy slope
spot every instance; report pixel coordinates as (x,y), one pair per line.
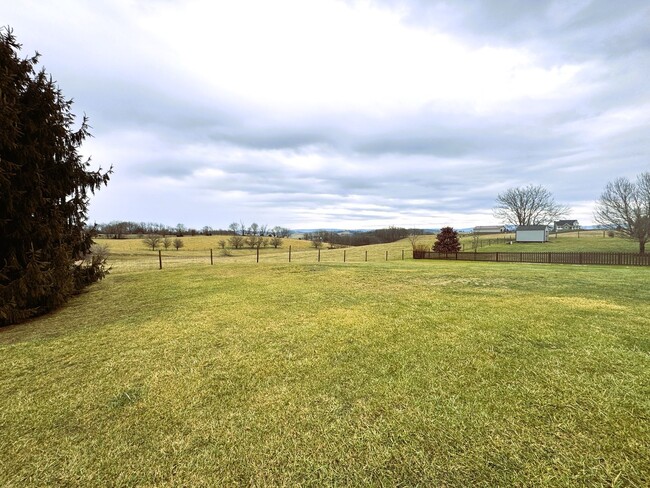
(407,373)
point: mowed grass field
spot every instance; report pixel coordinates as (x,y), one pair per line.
(399,373)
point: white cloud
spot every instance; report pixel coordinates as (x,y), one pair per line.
(297,56)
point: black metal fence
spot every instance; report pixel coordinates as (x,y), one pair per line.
(604,258)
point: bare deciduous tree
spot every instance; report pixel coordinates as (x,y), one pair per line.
(166,242)
(178,243)
(414,236)
(152,240)
(281,231)
(276,241)
(528,205)
(253,241)
(236,241)
(624,207)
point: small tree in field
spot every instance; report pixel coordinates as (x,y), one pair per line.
(414,236)
(447,241)
(236,241)
(254,241)
(222,244)
(178,243)
(152,241)
(166,242)
(276,241)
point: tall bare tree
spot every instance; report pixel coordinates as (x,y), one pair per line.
(528,205)
(624,207)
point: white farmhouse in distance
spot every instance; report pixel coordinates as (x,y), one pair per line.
(531,233)
(566,225)
(489,229)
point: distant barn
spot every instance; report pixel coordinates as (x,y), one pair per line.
(531,233)
(489,229)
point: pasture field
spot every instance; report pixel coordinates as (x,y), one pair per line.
(382,373)
(583,241)
(132,254)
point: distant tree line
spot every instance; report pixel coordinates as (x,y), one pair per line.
(255,236)
(360,238)
(121,229)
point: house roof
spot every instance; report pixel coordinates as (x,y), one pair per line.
(488,227)
(531,227)
(566,222)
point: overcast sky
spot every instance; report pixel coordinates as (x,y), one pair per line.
(348,114)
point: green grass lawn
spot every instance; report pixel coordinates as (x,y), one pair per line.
(400,373)
(583,241)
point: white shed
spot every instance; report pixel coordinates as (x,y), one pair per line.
(531,233)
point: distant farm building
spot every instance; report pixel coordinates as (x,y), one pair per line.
(489,229)
(566,225)
(531,233)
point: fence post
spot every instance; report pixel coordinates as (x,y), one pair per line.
(211,261)
(366,256)
(319,255)
(497,256)
(289,253)
(258,255)
(160,258)
(344,255)
(402,254)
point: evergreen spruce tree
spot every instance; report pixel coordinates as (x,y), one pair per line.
(447,241)
(45,253)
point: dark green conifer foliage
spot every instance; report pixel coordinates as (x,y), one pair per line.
(44,190)
(447,241)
